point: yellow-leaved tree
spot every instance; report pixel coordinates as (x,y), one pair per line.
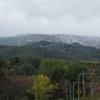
(42,88)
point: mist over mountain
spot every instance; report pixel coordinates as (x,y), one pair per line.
(57,38)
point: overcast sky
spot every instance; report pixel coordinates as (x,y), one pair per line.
(77,17)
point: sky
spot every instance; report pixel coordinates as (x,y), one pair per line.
(76,17)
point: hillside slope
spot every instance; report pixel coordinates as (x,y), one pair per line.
(52,50)
(74,48)
(14,51)
(57,38)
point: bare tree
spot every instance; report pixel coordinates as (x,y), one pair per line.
(8,84)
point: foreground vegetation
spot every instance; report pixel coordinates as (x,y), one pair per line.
(36,78)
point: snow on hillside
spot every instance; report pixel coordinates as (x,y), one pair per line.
(58,38)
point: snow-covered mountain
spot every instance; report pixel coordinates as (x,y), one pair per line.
(24,39)
(58,38)
(84,40)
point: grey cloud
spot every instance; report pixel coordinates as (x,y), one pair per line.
(50,16)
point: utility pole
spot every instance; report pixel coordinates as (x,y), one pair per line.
(73,87)
(79,82)
(94,89)
(66,88)
(91,87)
(70,92)
(83,83)
(79,79)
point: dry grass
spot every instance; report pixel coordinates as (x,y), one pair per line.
(91,97)
(93,62)
(24,81)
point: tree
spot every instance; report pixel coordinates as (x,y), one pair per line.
(53,69)
(42,88)
(56,71)
(74,69)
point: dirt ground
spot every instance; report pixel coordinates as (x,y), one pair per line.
(24,81)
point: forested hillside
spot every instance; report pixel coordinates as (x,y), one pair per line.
(50,50)
(74,48)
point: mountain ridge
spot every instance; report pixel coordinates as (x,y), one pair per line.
(20,40)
